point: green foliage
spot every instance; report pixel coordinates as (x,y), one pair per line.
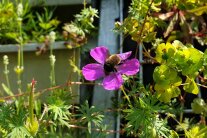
(58,109)
(12,123)
(143,118)
(147,111)
(199,106)
(32,126)
(197,131)
(90,116)
(82,25)
(169,14)
(191,86)
(85,19)
(177,60)
(166,87)
(141,29)
(8,21)
(41,24)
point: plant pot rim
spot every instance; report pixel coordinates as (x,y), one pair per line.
(30,47)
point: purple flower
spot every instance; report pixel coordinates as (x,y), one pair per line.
(110,67)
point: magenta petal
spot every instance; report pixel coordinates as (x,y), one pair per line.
(113,81)
(93,71)
(100,54)
(129,67)
(124,56)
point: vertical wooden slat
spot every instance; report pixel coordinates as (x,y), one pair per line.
(109,12)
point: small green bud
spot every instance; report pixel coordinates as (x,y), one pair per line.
(5,60)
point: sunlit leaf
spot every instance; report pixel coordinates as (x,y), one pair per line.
(165,95)
(174,134)
(191,86)
(165,75)
(32,126)
(164,52)
(45,26)
(197,131)
(198,11)
(195,62)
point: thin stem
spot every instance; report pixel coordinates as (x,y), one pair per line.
(186,132)
(20,59)
(127,97)
(84,4)
(31,102)
(201,85)
(53,76)
(19,56)
(148,55)
(98,130)
(51,49)
(52,63)
(50,89)
(44,112)
(181,113)
(21,45)
(182,101)
(7,76)
(140,35)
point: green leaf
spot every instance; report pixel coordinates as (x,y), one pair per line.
(165,95)
(164,75)
(167,82)
(194,63)
(32,126)
(198,105)
(164,52)
(205,58)
(89,127)
(45,26)
(198,11)
(191,86)
(205,73)
(7,90)
(197,131)
(174,134)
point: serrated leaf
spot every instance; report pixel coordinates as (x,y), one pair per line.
(191,86)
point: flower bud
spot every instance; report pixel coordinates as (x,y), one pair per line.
(52,60)
(20,9)
(52,36)
(5,60)
(19,69)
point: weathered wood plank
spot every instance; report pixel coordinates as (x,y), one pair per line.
(109,12)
